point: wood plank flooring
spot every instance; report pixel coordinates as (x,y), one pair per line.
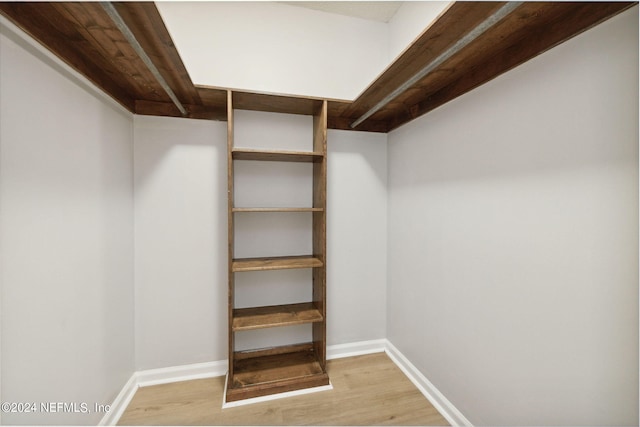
(367,390)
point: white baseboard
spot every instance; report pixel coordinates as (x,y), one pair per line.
(151,377)
(219,368)
(174,374)
(355,349)
(120,403)
(437,399)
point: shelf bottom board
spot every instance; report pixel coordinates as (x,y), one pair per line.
(275,373)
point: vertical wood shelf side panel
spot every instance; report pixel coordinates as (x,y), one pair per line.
(230,229)
(274,370)
(319,232)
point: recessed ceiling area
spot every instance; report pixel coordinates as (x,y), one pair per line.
(320,49)
(381,11)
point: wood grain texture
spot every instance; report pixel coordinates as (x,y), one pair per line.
(274,103)
(45,23)
(256,210)
(277,156)
(245,319)
(283,384)
(275,263)
(367,390)
(82,35)
(530,30)
(169,109)
(85,37)
(275,371)
(147,25)
(230,231)
(271,351)
(319,232)
(456,21)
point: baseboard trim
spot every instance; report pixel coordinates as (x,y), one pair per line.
(174,374)
(358,348)
(219,368)
(120,403)
(437,399)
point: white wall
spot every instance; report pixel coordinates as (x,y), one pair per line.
(181,272)
(356,236)
(411,20)
(274,47)
(280,48)
(180,241)
(66,238)
(513,239)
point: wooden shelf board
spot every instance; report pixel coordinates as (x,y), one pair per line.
(276,103)
(275,263)
(245,319)
(259,373)
(276,155)
(278,209)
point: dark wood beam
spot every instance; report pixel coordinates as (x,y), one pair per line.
(145,22)
(276,103)
(168,109)
(455,22)
(561,22)
(55,31)
(83,36)
(530,30)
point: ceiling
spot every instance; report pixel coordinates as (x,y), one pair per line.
(381,11)
(448,59)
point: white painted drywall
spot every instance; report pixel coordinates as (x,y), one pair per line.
(513,239)
(66,233)
(411,20)
(356,236)
(181,271)
(274,47)
(181,240)
(280,48)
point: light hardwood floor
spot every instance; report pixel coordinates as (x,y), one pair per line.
(367,390)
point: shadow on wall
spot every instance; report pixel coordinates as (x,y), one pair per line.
(356,236)
(352,147)
(181,241)
(513,238)
(560,124)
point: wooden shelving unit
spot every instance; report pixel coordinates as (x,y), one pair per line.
(275,263)
(280,369)
(278,209)
(245,319)
(275,370)
(277,156)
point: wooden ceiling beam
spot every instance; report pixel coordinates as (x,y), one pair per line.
(133,42)
(429,67)
(44,23)
(112,48)
(145,22)
(168,109)
(450,26)
(535,28)
(83,36)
